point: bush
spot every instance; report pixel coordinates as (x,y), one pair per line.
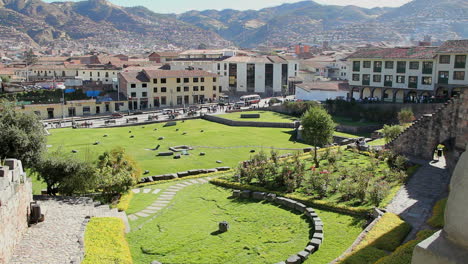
(406,116)
(404,253)
(377,191)
(124,201)
(437,219)
(391,132)
(386,235)
(105,242)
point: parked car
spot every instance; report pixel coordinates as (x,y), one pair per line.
(168,111)
(116,115)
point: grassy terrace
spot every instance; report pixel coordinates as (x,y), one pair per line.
(214,135)
(265,116)
(259,232)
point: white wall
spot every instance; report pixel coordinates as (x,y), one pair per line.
(318,95)
(260,77)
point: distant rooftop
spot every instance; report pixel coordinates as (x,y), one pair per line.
(454,46)
(395,53)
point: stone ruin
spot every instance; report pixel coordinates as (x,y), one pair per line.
(15,206)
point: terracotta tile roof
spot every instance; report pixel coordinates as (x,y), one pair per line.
(178,73)
(454,46)
(324,86)
(134,76)
(395,53)
(165,53)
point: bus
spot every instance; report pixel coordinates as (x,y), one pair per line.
(251,99)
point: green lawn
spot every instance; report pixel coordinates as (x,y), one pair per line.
(259,232)
(214,135)
(377,142)
(265,116)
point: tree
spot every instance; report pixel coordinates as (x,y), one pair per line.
(22,135)
(318,128)
(406,116)
(4,79)
(391,132)
(29,57)
(117,172)
(67,175)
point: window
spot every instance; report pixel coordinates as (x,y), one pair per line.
(356,77)
(219,66)
(155,80)
(401,67)
(178,89)
(144,94)
(214,79)
(225,66)
(133,85)
(356,65)
(427,67)
(144,85)
(377,78)
(426,80)
(388,80)
(133,94)
(214,88)
(163,100)
(366,79)
(202,79)
(178,80)
(195,88)
(444,59)
(459,75)
(389,65)
(443,77)
(414,65)
(163,89)
(195,80)
(377,66)
(186,80)
(163,80)
(155,89)
(400,79)
(365,64)
(186,88)
(413,82)
(202,88)
(220,88)
(179,100)
(460,61)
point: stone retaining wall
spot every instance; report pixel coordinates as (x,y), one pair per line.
(15,199)
(318,236)
(229,122)
(181,174)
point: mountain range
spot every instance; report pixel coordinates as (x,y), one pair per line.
(102,23)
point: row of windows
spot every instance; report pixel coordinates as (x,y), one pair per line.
(185,80)
(443,77)
(400,66)
(460,60)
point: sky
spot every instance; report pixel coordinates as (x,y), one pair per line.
(180,6)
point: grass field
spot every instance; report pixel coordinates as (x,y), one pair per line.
(265,116)
(259,232)
(145,138)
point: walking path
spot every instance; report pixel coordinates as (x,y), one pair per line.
(164,198)
(414,202)
(59,239)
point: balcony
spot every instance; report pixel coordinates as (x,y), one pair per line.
(413,85)
(460,65)
(365,82)
(388,83)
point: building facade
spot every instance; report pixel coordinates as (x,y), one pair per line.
(408,73)
(168,88)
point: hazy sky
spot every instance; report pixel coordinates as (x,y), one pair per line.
(179,6)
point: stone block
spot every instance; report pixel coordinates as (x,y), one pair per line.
(194,172)
(312,215)
(169,124)
(281,200)
(282,262)
(303,255)
(258,195)
(318,236)
(211,170)
(246,194)
(310,249)
(318,228)
(294,259)
(183,174)
(236,193)
(300,207)
(290,203)
(223,168)
(165,153)
(4,171)
(271,197)
(316,243)
(318,222)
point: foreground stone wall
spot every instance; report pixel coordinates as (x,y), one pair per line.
(15,199)
(229,122)
(448,125)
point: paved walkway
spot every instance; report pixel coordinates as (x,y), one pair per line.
(59,239)
(164,198)
(414,202)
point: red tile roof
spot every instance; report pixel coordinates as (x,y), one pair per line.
(395,53)
(454,46)
(134,76)
(178,74)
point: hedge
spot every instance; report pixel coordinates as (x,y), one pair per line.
(105,242)
(437,219)
(386,235)
(124,201)
(404,253)
(319,204)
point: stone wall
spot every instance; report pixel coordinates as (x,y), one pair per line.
(15,199)
(418,109)
(229,122)
(448,125)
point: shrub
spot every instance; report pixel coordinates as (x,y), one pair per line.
(406,116)
(437,219)
(124,201)
(105,242)
(377,191)
(391,132)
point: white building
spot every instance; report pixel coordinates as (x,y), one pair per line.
(322,91)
